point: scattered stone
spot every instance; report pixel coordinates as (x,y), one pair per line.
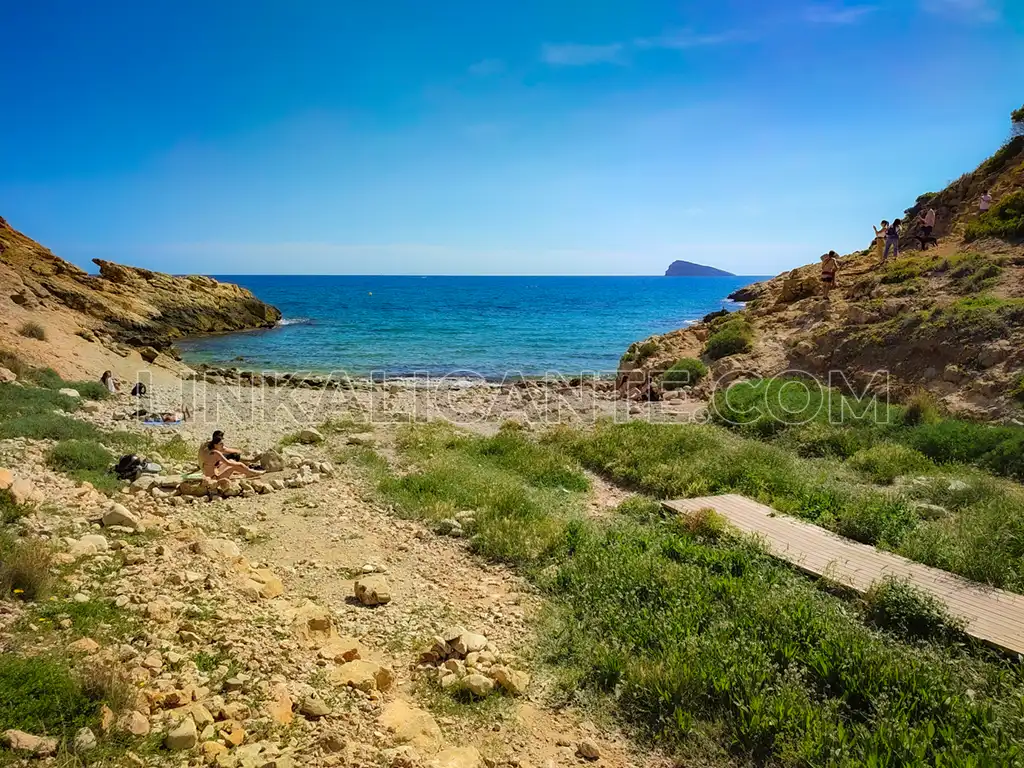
(467,642)
(19,741)
(118,514)
(280,706)
(478,685)
(513,681)
(456,757)
(310,436)
(84,645)
(22,491)
(411,726)
(6,479)
(182,736)
(588,750)
(135,723)
(149,354)
(85,740)
(372,590)
(68,392)
(363,675)
(333,741)
(271,461)
(313,707)
(7,375)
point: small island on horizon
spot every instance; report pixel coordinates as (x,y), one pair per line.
(689,269)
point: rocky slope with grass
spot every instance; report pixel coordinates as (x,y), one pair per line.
(949,320)
(56,314)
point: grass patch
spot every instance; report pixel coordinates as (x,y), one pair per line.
(90,390)
(9,511)
(684,373)
(1004,220)
(95,618)
(13,362)
(730,337)
(698,639)
(33,330)
(900,607)
(510,483)
(25,568)
(85,461)
(980,534)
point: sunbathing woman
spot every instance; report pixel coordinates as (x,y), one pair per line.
(217,466)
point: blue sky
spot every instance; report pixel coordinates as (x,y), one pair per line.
(526,137)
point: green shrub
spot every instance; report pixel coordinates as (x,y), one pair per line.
(33,330)
(732,337)
(685,372)
(640,351)
(884,462)
(910,612)
(921,408)
(45,377)
(90,390)
(1016,390)
(9,511)
(71,455)
(1004,220)
(42,695)
(24,568)
(48,426)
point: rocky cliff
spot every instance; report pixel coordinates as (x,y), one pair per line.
(120,308)
(949,320)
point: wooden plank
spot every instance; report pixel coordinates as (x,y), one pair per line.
(993,616)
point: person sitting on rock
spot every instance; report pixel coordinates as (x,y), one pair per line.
(216,464)
(111,383)
(829,267)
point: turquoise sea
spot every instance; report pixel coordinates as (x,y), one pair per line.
(486,326)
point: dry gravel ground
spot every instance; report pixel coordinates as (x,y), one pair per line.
(231,583)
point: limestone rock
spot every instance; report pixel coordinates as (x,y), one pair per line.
(85,740)
(223,548)
(588,750)
(6,479)
(456,757)
(478,685)
(310,436)
(467,643)
(513,681)
(342,649)
(363,675)
(372,590)
(271,461)
(313,707)
(410,725)
(280,706)
(149,354)
(7,375)
(333,741)
(84,645)
(19,741)
(312,624)
(135,723)
(118,514)
(182,736)
(68,392)
(22,491)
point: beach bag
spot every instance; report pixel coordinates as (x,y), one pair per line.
(139,389)
(129,467)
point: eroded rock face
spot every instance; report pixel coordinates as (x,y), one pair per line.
(132,305)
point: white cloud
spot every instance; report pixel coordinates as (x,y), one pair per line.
(487,68)
(969,10)
(837,13)
(683,39)
(577,55)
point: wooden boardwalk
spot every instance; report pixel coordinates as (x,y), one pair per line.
(993,616)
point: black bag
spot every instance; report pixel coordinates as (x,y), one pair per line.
(139,389)
(129,467)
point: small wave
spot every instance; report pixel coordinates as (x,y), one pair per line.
(294,321)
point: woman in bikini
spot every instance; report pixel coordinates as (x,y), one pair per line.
(829,266)
(217,466)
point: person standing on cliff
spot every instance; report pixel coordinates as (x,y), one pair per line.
(829,267)
(892,241)
(880,237)
(985,203)
(927,222)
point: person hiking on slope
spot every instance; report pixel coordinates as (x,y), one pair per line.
(880,237)
(927,222)
(829,267)
(985,202)
(892,241)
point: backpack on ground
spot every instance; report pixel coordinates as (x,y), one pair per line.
(129,467)
(139,389)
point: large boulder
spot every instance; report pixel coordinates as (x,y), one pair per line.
(373,590)
(271,461)
(19,741)
(119,514)
(412,726)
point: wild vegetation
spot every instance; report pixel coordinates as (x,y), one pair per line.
(1005,220)
(697,638)
(684,373)
(33,330)
(729,337)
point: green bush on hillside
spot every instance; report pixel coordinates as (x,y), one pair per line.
(732,337)
(884,462)
(639,352)
(684,372)
(85,461)
(25,569)
(1004,220)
